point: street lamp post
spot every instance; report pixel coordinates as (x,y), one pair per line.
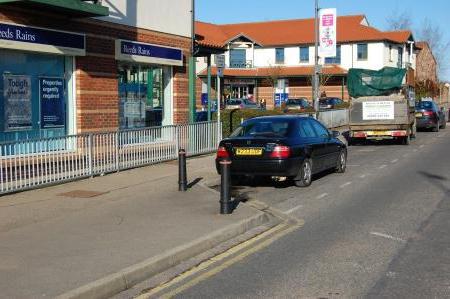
(316,59)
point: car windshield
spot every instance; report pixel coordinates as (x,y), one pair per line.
(266,128)
(248,102)
(424,105)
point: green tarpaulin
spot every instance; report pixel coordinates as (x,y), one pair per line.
(386,81)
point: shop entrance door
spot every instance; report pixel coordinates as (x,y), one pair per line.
(242,91)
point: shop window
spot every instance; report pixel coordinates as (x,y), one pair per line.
(142,96)
(36,96)
(362,50)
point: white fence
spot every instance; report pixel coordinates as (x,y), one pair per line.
(33,163)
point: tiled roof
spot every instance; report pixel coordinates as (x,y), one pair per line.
(294,32)
(290,71)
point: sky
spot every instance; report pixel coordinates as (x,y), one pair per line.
(376,11)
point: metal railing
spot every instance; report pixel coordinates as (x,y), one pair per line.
(34,163)
(334,118)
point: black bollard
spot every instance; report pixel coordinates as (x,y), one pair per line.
(225,187)
(182,174)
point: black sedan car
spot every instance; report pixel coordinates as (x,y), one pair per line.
(329,103)
(429,116)
(289,146)
(297,104)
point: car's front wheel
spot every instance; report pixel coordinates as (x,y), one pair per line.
(304,177)
(342,162)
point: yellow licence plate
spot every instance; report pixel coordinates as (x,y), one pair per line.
(248,151)
(378,133)
(418,114)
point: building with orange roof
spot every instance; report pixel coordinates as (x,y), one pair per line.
(265,60)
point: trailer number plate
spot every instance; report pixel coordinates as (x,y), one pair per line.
(378,133)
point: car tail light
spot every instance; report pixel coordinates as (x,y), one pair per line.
(222,153)
(428,113)
(281,152)
(398,133)
(359,134)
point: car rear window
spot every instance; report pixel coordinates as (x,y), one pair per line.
(266,128)
(233,102)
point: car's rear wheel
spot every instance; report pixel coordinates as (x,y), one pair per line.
(436,128)
(406,140)
(341,162)
(304,177)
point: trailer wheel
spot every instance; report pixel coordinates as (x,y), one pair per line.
(406,140)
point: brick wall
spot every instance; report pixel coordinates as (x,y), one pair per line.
(96,73)
(301,87)
(426,64)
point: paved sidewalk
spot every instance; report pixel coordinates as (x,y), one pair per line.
(51,243)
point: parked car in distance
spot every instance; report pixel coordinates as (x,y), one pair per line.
(297,104)
(429,116)
(329,103)
(291,146)
(241,104)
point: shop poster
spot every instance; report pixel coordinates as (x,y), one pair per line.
(51,93)
(17,101)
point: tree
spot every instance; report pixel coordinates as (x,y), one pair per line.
(429,32)
(273,75)
(434,36)
(425,89)
(399,21)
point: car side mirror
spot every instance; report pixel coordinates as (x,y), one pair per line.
(335,134)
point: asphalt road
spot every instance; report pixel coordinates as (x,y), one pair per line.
(379,231)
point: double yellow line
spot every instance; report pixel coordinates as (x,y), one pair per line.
(237,253)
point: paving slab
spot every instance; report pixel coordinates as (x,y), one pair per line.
(57,239)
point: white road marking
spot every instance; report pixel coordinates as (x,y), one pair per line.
(363,176)
(422,145)
(415,150)
(382,166)
(345,185)
(394,161)
(322,195)
(290,211)
(388,237)
(405,155)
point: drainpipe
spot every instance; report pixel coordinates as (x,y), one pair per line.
(209,86)
(192,73)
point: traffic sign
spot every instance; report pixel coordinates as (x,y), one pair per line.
(220,61)
(220,72)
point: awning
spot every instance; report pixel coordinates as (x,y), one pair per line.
(278,71)
(73,8)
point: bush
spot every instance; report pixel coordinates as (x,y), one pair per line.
(244,114)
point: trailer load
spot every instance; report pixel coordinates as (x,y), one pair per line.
(381,107)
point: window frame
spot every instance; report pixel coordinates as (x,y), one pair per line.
(315,124)
(366,57)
